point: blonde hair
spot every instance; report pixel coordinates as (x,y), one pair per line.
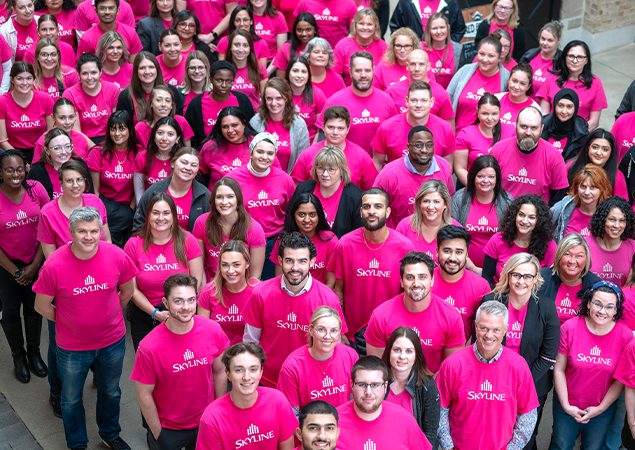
(229,246)
(359,15)
(332,156)
(566,244)
(514,18)
(187,82)
(502,287)
(389,56)
(430,187)
(322,312)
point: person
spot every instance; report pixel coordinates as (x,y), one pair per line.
(100,277)
(622,130)
(112,170)
(159,387)
(20,30)
(190,196)
(303,30)
(477,139)
(318,427)
(251,75)
(529,164)
(248,411)
(114,56)
(626,167)
(505,14)
(628,101)
(86,16)
(534,329)
(49,28)
(214,17)
(573,213)
(611,242)
(223,299)
(269,25)
(171,60)
(51,76)
(308,99)
(590,347)
(331,184)
(242,18)
(406,15)
(517,97)
(369,420)
(459,287)
(64,15)
(321,369)
(197,77)
(188,27)
(149,28)
(25,113)
(563,127)
(277,115)
(544,58)
(568,277)
(289,299)
(21,256)
(499,406)
(334,23)
(393,67)
(365,263)
(226,220)
(319,53)
(445,52)
(505,39)
(624,374)
(402,178)
(471,81)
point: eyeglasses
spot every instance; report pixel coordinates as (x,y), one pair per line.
(72,181)
(504,8)
(11,170)
(363,386)
(420,145)
(599,306)
(106,8)
(403,46)
(60,148)
(322,332)
(516,276)
(196,68)
(575,58)
(329,170)
(186,25)
(47,55)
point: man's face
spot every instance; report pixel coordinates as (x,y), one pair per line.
(418,65)
(452,256)
(86,236)
(528,129)
(181,303)
(362,74)
(295,264)
(419,103)
(107,11)
(421,148)
(319,432)
(374,212)
(335,131)
(417,282)
(490,331)
(369,389)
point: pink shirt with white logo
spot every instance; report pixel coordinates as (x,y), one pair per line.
(283,137)
(624,132)
(283,55)
(330,204)
(442,64)
(27,38)
(333,17)
(174,76)
(209,12)
(324,245)
(481,223)
(420,242)
(86,15)
(54,177)
(471,139)
(50,84)
(613,266)
(541,68)
(509,113)
(122,78)
(88,313)
(331,83)
(90,39)
(115,173)
(477,85)
(243,84)
(388,74)
(514,334)
(65,26)
(211,108)
(349,45)
(310,111)
(143,130)
(629,306)
(180,367)
(427,8)
(591,359)
(442,106)
(261,49)
(578,223)
(25,125)
(159,169)
(625,372)
(591,99)
(94,111)
(304,379)
(229,315)
(183,206)
(567,302)
(268,28)
(219,162)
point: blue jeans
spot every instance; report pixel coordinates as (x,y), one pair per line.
(613,437)
(73,368)
(55,383)
(566,429)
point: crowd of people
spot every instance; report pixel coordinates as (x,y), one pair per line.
(316,238)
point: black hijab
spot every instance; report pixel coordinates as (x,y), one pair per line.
(557,128)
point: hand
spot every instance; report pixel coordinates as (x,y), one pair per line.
(575,412)
(28,275)
(161,316)
(590,413)
(212,46)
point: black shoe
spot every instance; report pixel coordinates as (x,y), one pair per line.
(117,444)
(37,364)
(21,366)
(57,407)
(78,448)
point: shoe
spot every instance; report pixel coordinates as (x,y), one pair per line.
(78,448)
(33,330)
(37,366)
(57,407)
(117,444)
(21,366)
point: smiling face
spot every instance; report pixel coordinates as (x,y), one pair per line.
(526,220)
(197,71)
(565,109)
(319,432)
(47,29)
(439,30)
(171,48)
(24,11)
(416,282)
(503,11)
(615,224)
(161,218)
(519,83)
(240,49)
(295,264)
(490,331)
(73,184)
(419,103)
(602,308)
(86,236)
(275,103)
(402,46)
(233,267)
(23,83)
(488,58)
(418,65)
(528,129)
(304,31)
(233,129)
(306,218)
(588,193)
(65,117)
(107,11)
(161,103)
(245,372)
(181,304)
(402,356)
(452,256)
(600,151)
(225,201)
(432,207)
(48,58)
(520,283)
(485,180)
(90,76)
(147,72)
(365,29)
(488,115)
(59,150)
(319,57)
(262,156)
(186,29)
(185,168)
(572,263)
(298,75)
(165,138)
(374,212)
(242,21)
(114,52)
(119,133)
(13,172)
(326,334)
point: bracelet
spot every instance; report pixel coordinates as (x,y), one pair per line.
(153,313)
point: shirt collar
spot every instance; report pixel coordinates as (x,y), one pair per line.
(485,361)
(305,289)
(434,167)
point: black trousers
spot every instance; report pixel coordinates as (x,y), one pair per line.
(173,439)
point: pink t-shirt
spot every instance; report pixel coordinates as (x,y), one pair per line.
(261,49)
(94,110)
(243,84)
(624,132)
(388,74)
(144,129)
(304,379)
(349,45)
(541,68)
(629,306)
(283,138)
(472,93)
(427,8)
(465,295)
(80,145)
(420,242)
(25,125)
(88,313)
(591,99)
(537,172)
(115,174)
(230,316)
(219,162)
(183,206)
(330,204)
(86,16)
(471,139)
(266,423)
(67,53)
(514,334)
(625,372)
(266,198)
(591,360)
(19,222)
(442,106)
(442,64)
(90,39)
(159,169)
(180,367)
(65,27)
(404,399)
(567,302)
(27,38)
(370,273)
(5,51)
(331,83)
(324,245)
(481,223)
(268,28)
(559,145)
(578,223)
(310,111)
(174,76)
(613,265)
(211,108)
(509,112)
(485,399)
(209,12)
(122,78)
(333,17)
(439,327)
(283,55)
(284,320)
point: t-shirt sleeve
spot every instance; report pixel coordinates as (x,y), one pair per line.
(378,144)
(374,333)
(93,160)
(209,437)
(462,140)
(565,342)
(558,173)
(143,369)
(337,261)
(45,232)
(192,249)
(444,382)
(491,248)
(40,194)
(287,420)
(46,283)
(199,227)
(456,333)
(599,99)
(526,392)
(205,297)
(128,270)
(446,111)
(253,310)
(288,383)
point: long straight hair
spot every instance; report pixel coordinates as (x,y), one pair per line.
(213,228)
(178,235)
(232,245)
(252,62)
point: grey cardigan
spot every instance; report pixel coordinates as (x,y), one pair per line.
(299,135)
(461,78)
(560,215)
(461,203)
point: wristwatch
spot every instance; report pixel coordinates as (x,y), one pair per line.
(17,274)
(215,34)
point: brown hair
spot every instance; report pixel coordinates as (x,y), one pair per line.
(229,246)
(213,228)
(598,178)
(178,235)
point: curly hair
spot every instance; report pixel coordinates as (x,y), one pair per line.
(543,231)
(598,221)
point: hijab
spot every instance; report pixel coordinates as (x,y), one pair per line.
(559,129)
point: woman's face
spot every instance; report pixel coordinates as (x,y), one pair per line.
(147,72)
(165,138)
(402,47)
(275,102)
(518,285)
(258,5)
(506,46)
(298,75)
(185,168)
(572,263)
(328,175)
(576,59)
(114,52)
(233,267)
(242,21)
(119,134)
(488,115)
(588,193)
(59,150)
(488,58)
(319,57)
(564,110)
(48,58)
(602,308)
(402,356)
(24,10)
(485,180)
(73,184)
(161,218)
(54,5)
(306,218)
(186,29)
(548,43)
(432,207)
(503,11)
(161,103)
(65,117)
(47,29)
(519,84)
(240,48)
(13,171)
(526,219)
(615,224)
(326,334)
(304,31)
(439,30)
(366,29)
(165,6)
(262,156)
(599,151)
(89,76)
(233,129)
(197,71)
(170,47)
(23,83)
(225,201)
(222,82)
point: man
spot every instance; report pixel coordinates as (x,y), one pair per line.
(365,263)
(368,106)
(86,17)
(91,282)
(248,416)
(391,140)
(488,399)
(529,164)
(460,288)
(179,359)
(437,324)
(403,177)
(318,428)
(337,124)
(368,422)
(278,313)
(107,14)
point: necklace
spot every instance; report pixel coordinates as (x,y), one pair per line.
(371,245)
(320,362)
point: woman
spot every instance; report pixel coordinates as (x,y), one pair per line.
(224,298)
(365,36)
(590,347)
(432,211)
(444,54)
(64,14)
(20,30)
(270,25)
(188,28)
(51,76)
(277,116)
(149,28)
(472,80)
(517,97)
(25,113)
(394,64)
(526,227)
(171,60)
(227,220)
(411,383)
(506,55)
(476,140)
(114,56)
(250,74)
(20,259)
(320,55)
(569,276)
(190,196)
(48,28)
(197,77)
(480,206)
(611,241)
(331,184)
(563,127)
(304,29)
(242,18)
(160,249)
(306,215)
(227,148)
(575,73)
(154,164)
(324,356)
(505,14)
(112,170)
(543,59)
(203,111)
(309,100)
(572,214)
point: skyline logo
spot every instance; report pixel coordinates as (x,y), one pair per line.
(566,302)
(327,382)
(292,317)
(24,118)
(262,195)
(450,300)
(483,221)
(538,73)
(558,145)
(233,310)
(118,168)
(253,429)
(370,445)
(516,326)
(585,231)
(20,215)
(237,162)
(595,351)
(326,12)
(259,27)
(365,113)
(28,40)
(188,355)
(89,280)
(240,80)
(93,108)
(486,386)
(607,267)
(373,264)
(179,210)
(507,116)
(161,259)
(162,174)
(522,172)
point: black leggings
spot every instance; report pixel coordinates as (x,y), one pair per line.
(15,297)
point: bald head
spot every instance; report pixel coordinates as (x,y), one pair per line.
(418,65)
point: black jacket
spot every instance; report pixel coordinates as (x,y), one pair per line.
(532,52)
(575,141)
(124,102)
(38,172)
(519,38)
(406,15)
(628,101)
(549,288)
(627,166)
(149,29)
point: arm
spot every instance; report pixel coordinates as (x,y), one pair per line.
(609,398)
(594,120)
(220,378)
(142,302)
(148,407)
(257,256)
(252,334)
(44,306)
(448,351)
(107,237)
(6,79)
(550,341)
(139,185)
(50,122)
(125,292)
(339,289)
(380,160)
(560,386)
(181,5)
(48,249)
(374,351)
(545,106)
(630,409)
(523,429)
(200,311)
(6,263)
(195,267)
(286,445)
(4,137)
(460,165)
(29,272)
(222,25)
(445,439)
(95,177)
